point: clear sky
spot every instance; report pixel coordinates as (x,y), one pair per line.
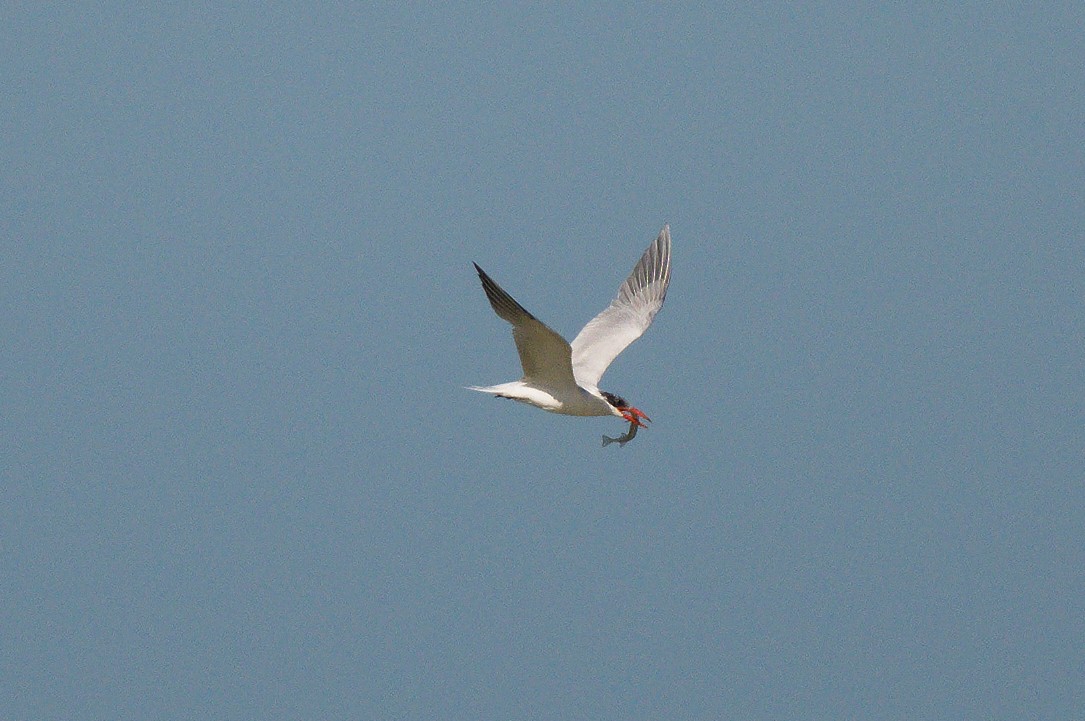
(241,477)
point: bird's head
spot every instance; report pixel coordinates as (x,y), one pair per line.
(626,411)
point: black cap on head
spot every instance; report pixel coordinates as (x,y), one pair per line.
(616,401)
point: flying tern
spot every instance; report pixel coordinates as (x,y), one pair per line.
(563,377)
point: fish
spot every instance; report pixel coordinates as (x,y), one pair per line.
(622,440)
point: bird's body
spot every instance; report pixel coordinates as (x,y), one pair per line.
(576,401)
(563,377)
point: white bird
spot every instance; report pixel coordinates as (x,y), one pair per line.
(563,378)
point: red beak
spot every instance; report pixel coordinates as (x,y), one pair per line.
(634,416)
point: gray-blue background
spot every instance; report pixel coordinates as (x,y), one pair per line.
(241,477)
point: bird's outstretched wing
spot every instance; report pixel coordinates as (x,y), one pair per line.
(545,356)
(627,317)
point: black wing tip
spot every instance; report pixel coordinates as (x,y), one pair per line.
(482,275)
(503,304)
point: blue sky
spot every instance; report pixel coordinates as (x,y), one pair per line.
(242,478)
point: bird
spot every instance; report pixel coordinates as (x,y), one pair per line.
(563,377)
